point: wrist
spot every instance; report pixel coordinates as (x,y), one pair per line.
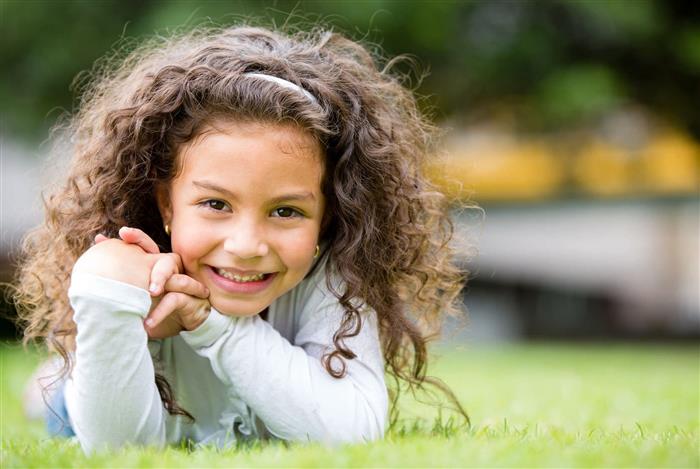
(214,327)
(198,318)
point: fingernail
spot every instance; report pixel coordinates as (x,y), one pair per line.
(149,322)
(153,288)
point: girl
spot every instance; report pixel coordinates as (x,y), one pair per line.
(247,243)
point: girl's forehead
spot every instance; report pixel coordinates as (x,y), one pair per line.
(285,154)
(289,138)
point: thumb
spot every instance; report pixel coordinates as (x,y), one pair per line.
(140,238)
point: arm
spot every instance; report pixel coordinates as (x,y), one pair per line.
(287,386)
(111,396)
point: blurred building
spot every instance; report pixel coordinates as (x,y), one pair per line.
(577,235)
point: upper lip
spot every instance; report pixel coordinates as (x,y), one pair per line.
(239,272)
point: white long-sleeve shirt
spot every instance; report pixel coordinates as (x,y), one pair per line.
(239,377)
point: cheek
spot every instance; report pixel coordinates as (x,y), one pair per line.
(190,244)
(297,249)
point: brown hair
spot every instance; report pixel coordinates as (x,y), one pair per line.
(386,228)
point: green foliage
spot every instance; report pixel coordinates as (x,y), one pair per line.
(552,64)
(578,92)
(531,406)
(688,48)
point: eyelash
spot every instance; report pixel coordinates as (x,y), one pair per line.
(208,204)
(295,213)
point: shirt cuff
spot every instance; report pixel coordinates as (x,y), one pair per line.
(94,286)
(209,331)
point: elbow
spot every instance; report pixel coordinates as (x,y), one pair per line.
(367,423)
(100,440)
(355,435)
(371,425)
(99,428)
(339,424)
(97,443)
(371,432)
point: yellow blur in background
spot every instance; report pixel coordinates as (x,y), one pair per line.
(499,167)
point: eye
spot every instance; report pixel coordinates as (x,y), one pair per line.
(285,212)
(214,204)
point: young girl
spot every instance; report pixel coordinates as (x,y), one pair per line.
(245,244)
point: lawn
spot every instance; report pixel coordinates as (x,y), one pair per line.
(530,405)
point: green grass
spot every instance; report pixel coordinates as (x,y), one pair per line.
(531,405)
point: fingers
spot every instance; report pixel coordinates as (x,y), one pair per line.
(138,237)
(169,303)
(165,267)
(187,311)
(99,237)
(186,284)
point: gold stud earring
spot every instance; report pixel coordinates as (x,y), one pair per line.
(317,251)
(166,227)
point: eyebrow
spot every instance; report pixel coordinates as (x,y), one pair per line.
(300,196)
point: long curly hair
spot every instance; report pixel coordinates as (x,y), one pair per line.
(386,228)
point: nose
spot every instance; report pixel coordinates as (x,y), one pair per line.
(246,240)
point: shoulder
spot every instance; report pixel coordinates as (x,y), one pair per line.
(307,300)
(316,306)
(318,288)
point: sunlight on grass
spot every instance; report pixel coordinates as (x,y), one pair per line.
(530,405)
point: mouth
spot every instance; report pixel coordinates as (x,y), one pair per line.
(247,278)
(240,282)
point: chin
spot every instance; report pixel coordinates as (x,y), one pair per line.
(237,310)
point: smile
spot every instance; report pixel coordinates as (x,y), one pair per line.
(248,283)
(240,278)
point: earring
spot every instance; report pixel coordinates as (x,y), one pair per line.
(317,251)
(166,227)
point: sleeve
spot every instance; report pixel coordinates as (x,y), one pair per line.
(287,386)
(111,396)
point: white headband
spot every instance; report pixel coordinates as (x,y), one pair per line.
(285,83)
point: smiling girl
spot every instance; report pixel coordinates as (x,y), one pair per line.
(245,212)
(247,242)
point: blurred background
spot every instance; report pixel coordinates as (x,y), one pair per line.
(573,125)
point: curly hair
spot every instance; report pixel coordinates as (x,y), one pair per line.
(386,228)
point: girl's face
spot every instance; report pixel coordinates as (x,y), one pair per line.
(245,212)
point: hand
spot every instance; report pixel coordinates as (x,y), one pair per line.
(137,263)
(184,304)
(161,267)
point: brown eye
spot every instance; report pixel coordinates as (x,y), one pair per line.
(285,212)
(215,204)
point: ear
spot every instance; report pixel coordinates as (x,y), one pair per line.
(163,201)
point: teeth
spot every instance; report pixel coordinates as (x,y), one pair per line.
(240,278)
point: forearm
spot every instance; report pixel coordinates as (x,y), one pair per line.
(111,396)
(288,389)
